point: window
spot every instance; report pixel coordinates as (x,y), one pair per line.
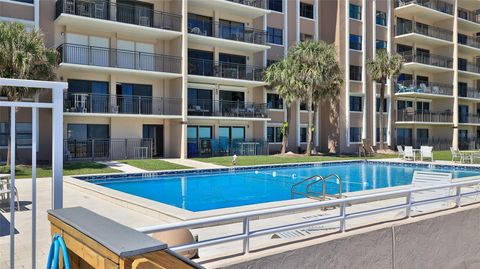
(303,106)
(199,102)
(84,132)
(200,25)
(355,134)
(462,39)
(463,113)
(231,30)
(423,106)
(274,101)
(462,64)
(231,133)
(381,44)
(200,62)
(381,18)
(275,5)
(305,37)
(23,134)
(274,134)
(134,98)
(24,1)
(404,137)
(356,103)
(384,105)
(355,42)
(422,136)
(462,89)
(306,10)
(355,73)
(355,12)
(384,134)
(275,35)
(270,62)
(303,134)
(404,104)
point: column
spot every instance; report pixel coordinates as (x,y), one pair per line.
(389,84)
(347,73)
(183,148)
(374,84)
(455,76)
(364,69)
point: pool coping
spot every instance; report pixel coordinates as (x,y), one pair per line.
(169,213)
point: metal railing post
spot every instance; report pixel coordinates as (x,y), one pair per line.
(409,205)
(246,232)
(93,149)
(343,215)
(459,196)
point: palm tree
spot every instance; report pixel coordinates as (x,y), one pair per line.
(277,75)
(23,55)
(310,73)
(382,68)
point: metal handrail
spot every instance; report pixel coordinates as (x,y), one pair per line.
(438,5)
(247,233)
(292,189)
(324,185)
(409,27)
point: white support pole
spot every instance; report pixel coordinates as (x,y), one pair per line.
(389,86)
(364,69)
(285,28)
(36,11)
(57,148)
(34,183)
(12,185)
(347,74)
(315,19)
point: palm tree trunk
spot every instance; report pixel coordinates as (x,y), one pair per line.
(380,115)
(285,133)
(308,151)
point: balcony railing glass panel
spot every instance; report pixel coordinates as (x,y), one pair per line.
(211,68)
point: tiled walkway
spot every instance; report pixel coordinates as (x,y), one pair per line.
(122,167)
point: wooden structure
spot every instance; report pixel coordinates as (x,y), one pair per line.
(96,242)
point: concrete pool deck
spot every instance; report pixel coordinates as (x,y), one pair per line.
(132,217)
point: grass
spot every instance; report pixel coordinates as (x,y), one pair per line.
(272,159)
(154,165)
(76,168)
(444,155)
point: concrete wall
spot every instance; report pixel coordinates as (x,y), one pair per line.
(443,240)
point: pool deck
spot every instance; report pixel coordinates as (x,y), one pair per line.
(132,217)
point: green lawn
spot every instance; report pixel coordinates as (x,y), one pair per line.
(154,165)
(271,159)
(444,155)
(76,168)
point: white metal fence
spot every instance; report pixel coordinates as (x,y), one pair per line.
(56,106)
(246,234)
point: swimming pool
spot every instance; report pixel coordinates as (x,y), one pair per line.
(207,190)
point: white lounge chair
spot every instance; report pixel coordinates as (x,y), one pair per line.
(427,178)
(426,152)
(401,153)
(409,154)
(5,191)
(462,157)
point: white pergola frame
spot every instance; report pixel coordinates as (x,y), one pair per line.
(57,150)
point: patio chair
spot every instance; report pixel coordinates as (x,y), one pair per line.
(401,153)
(5,191)
(366,149)
(455,154)
(426,152)
(409,154)
(427,178)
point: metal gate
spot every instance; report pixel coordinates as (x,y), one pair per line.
(56,106)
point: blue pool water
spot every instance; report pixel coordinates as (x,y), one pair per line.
(198,192)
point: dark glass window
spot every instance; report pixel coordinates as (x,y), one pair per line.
(462,89)
(200,25)
(23,136)
(462,39)
(274,101)
(274,134)
(270,62)
(355,12)
(88,96)
(422,136)
(423,106)
(355,134)
(88,131)
(231,58)
(232,30)
(384,134)
(200,62)
(233,96)
(231,133)
(303,134)
(381,44)
(462,64)
(384,105)
(404,137)
(404,104)
(355,72)
(306,10)
(275,35)
(356,103)
(275,5)
(405,77)
(303,106)
(134,98)
(355,42)
(199,102)
(24,1)
(133,12)
(381,18)
(463,114)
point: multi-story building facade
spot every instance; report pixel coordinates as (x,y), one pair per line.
(183,78)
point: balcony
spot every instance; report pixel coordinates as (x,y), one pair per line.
(432,10)
(422,34)
(226,147)
(468,20)
(421,61)
(469,44)
(108,16)
(208,71)
(473,119)
(229,109)
(422,116)
(424,89)
(469,93)
(84,104)
(250,9)
(107,149)
(226,35)
(468,69)
(89,58)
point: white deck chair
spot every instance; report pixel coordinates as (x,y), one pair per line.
(401,153)
(427,178)
(426,152)
(408,153)
(5,191)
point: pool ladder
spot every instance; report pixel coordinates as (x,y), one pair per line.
(322,196)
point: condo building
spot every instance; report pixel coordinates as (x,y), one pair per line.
(183,78)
